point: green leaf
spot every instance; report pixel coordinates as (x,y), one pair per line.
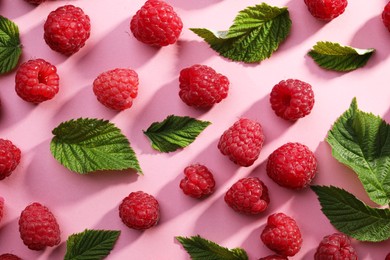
(91,244)
(85,145)
(333,56)
(200,249)
(10,47)
(362,142)
(351,216)
(174,132)
(256,33)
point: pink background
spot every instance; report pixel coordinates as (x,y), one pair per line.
(91,201)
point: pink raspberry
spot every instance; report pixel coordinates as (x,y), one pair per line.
(36,81)
(9,158)
(335,246)
(242,142)
(248,195)
(292,165)
(67,29)
(38,227)
(386,16)
(1,208)
(9,257)
(117,88)
(274,257)
(156,23)
(282,235)
(326,10)
(139,210)
(198,182)
(292,99)
(201,86)
(35,2)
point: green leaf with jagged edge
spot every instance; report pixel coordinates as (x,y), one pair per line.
(333,56)
(174,132)
(200,249)
(361,141)
(10,47)
(256,33)
(87,144)
(351,216)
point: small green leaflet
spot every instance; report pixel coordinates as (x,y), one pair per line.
(10,47)
(91,244)
(351,216)
(200,249)
(87,144)
(333,56)
(174,132)
(256,33)
(362,142)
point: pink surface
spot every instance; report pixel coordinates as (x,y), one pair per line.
(92,201)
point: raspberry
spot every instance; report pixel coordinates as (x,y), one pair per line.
(67,29)
(282,235)
(201,86)
(335,246)
(9,257)
(248,195)
(198,182)
(242,142)
(326,10)
(292,99)
(156,23)
(38,227)
(274,257)
(1,208)
(36,81)
(387,257)
(139,210)
(292,165)
(35,2)
(386,16)
(116,88)
(9,158)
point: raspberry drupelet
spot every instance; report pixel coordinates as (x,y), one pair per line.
(198,182)
(326,10)
(9,158)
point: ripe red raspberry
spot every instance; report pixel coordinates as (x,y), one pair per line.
(1,208)
(156,23)
(117,88)
(9,158)
(326,10)
(35,2)
(36,81)
(242,142)
(38,227)
(292,99)
(282,235)
(248,195)
(335,246)
(292,165)
(274,257)
(201,86)
(9,257)
(139,210)
(67,29)
(386,16)
(198,182)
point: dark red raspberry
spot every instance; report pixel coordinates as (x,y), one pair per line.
(242,142)
(335,246)
(9,257)
(139,210)
(36,81)
(274,257)
(386,16)
(1,208)
(117,88)
(156,23)
(282,235)
(201,86)
(67,29)
(387,257)
(9,158)
(38,227)
(198,182)
(248,195)
(292,165)
(292,99)
(326,9)
(35,2)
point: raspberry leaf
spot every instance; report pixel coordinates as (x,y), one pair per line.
(91,244)
(256,33)
(87,144)
(10,47)
(199,249)
(351,216)
(333,56)
(174,132)
(361,141)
